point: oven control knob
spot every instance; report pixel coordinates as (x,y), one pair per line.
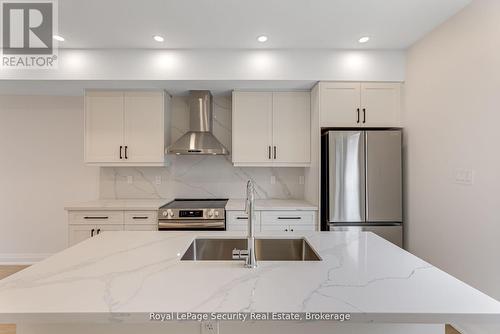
(164,213)
(216,213)
(170,213)
(211,213)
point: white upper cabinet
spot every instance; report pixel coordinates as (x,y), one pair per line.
(381,104)
(103,126)
(144,135)
(291,121)
(271,129)
(125,128)
(347,104)
(252,127)
(340,104)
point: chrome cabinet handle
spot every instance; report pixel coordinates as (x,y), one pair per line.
(357,111)
(98,231)
(95,217)
(275,155)
(140,217)
(121,147)
(364,115)
(91,233)
(269,152)
(126,149)
(241,218)
(290,218)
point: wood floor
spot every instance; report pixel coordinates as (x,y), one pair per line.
(4,272)
(11,329)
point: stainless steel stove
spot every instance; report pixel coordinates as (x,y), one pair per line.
(193,214)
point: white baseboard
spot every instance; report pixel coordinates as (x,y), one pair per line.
(22,258)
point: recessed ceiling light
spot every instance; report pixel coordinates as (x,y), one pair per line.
(262,38)
(158,38)
(364,39)
(58,38)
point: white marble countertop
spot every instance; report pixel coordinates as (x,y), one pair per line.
(272,204)
(122,276)
(117,204)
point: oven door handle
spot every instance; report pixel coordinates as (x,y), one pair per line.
(172,225)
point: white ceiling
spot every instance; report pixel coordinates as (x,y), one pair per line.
(392,24)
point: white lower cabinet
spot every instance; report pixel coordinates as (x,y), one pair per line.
(88,224)
(80,232)
(273,221)
(288,221)
(238,221)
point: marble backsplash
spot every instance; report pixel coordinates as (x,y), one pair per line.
(200,176)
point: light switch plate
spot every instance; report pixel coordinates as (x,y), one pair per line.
(464,176)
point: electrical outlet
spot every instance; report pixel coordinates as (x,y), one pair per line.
(209,327)
(301,179)
(273,179)
(464,176)
(158,180)
(130,179)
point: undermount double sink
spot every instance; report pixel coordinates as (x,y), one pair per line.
(206,249)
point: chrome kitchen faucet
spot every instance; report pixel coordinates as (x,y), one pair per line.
(249,253)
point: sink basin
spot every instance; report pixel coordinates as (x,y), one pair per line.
(297,249)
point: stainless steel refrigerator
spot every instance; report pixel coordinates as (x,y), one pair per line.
(362,182)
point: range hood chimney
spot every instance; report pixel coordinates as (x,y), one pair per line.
(199,140)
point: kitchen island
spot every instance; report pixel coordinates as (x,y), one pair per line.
(115,281)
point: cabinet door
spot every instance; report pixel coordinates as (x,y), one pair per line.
(339,104)
(292,127)
(252,128)
(275,228)
(78,233)
(381,104)
(144,135)
(103,126)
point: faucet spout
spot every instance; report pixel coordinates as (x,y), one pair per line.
(251,261)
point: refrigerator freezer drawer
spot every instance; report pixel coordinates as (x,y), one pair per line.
(392,233)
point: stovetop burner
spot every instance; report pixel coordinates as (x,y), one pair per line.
(195,203)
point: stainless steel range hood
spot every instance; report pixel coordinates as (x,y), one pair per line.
(199,139)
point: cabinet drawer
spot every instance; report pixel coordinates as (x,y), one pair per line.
(238,221)
(288,217)
(96,217)
(141,217)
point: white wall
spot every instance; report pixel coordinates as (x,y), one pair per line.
(41,168)
(202,64)
(452,120)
